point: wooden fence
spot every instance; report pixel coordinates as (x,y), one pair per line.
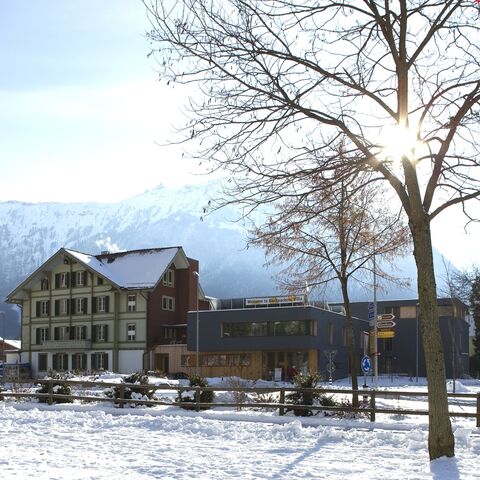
(368,404)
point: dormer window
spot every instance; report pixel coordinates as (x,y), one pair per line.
(168,278)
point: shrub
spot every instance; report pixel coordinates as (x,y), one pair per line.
(310,380)
(239,397)
(206,396)
(142,392)
(59,387)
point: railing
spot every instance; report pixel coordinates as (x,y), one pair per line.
(368,406)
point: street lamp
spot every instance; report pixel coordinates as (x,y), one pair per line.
(2,314)
(197,351)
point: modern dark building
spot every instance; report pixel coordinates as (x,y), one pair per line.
(269,338)
(403,352)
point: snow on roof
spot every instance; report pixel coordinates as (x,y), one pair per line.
(14,343)
(134,269)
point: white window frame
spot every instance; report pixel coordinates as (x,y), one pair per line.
(44,284)
(43,334)
(131,327)
(132,303)
(98,361)
(79,306)
(61,357)
(44,308)
(168,279)
(80,276)
(64,333)
(79,333)
(168,303)
(100,333)
(63,279)
(101,304)
(63,306)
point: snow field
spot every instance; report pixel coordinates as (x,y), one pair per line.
(87,442)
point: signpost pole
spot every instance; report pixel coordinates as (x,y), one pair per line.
(375,312)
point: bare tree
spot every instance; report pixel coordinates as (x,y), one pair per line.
(278,83)
(333,236)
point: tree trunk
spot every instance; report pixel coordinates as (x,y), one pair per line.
(352,356)
(440,438)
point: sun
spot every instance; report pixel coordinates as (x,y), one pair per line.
(397,142)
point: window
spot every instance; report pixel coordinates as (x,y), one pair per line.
(63,279)
(62,307)
(168,303)
(131,332)
(264,329)
(131,303)
(99,280)
(62,333)
(80,332)
(101,304)
(223,360)
(80,305)
(44,308)
(185,361)
(80,278)
(345,337)
(60,361)
(100,333)
(445,311)
(408,312)
(168,278)
(44,284)
(42,362)
(79,361)
(330,334)
(100,361)
(41,335)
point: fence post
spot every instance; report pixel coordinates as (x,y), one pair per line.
(197,399)
(50,391)
(372,405)
(281,410)
(478,410)
(122,395)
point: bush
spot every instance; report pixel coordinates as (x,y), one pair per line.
(239,397)
(58,388)
(206,396)
(300,381)
(142,392)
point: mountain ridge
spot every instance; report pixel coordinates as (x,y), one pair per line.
(31,232)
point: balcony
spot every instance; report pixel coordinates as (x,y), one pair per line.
(67,344)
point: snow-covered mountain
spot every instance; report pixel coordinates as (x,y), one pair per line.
(30,233)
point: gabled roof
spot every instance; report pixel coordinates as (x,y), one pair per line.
(134,269)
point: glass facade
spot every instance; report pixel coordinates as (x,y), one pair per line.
(267,329)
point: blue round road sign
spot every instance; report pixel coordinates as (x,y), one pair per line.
(366,364)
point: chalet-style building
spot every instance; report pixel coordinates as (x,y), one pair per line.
(106,312)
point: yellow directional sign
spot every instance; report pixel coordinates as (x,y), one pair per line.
(385,334)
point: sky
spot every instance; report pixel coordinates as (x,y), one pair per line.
(82,112)
(84,117)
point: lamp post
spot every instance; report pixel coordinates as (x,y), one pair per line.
(2,314)
(197,331)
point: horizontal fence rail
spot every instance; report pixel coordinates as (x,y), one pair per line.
(368,404)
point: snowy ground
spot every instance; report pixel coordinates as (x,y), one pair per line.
(98,441)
